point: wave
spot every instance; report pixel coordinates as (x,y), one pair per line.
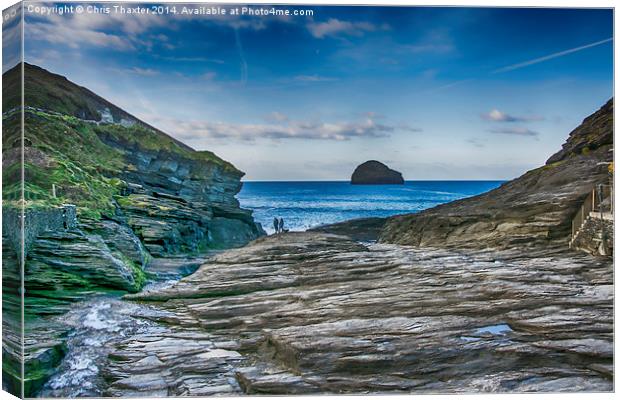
(304,205)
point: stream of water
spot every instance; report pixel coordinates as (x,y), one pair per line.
(95,326)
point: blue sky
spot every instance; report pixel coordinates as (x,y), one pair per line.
(437,93)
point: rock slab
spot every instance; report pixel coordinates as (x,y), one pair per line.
(320,313)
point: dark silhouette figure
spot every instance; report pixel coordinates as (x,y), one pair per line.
(281,225)
(276,225)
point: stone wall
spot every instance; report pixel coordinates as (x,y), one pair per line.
(591,235)
(36,222)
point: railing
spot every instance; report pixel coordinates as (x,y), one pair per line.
(599,200)
(603,199)
(583,213)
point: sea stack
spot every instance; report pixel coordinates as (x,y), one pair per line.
(376,173)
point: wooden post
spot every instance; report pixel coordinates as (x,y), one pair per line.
(583,218)
(53,190)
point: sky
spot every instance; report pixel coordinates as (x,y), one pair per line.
(436,93)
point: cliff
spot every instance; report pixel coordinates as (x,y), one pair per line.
(125,177)
(535,209)
(375,173)
(138,194)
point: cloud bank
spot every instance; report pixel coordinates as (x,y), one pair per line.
(281,127)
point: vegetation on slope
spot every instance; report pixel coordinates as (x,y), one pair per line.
(68,151)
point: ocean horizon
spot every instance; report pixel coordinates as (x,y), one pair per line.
(307,204)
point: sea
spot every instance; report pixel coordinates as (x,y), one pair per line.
(304,205)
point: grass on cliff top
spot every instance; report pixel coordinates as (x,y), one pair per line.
(143,137)
(65,153)
(69,154)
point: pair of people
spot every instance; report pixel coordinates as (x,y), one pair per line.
(278,225)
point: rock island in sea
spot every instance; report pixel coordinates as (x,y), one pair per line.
(376,173)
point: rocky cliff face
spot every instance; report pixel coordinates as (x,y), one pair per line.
(82,150)
(536,208)
(376,173)
(139,194)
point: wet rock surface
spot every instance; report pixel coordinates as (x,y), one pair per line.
(360,229)
(314,312)
(69,351)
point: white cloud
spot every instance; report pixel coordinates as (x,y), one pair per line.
(121,32)
(74,38)
(124,32)
(496,115)
(335,27)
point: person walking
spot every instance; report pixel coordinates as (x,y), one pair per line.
(281,224)
(276,225)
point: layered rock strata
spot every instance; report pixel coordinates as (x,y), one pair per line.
(313,312)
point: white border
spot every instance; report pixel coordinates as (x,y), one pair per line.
(460,3)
